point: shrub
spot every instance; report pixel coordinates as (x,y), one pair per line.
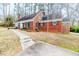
(8,21)
(77,30)
(74,29)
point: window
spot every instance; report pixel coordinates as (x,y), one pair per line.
(23,25)
(54,23)
(65,19)
(41,24)
(27,24)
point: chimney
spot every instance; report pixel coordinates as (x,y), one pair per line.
(19,16)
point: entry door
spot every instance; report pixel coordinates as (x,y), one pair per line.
(37,27)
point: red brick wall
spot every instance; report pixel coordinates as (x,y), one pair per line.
(43,28)
(55,28)
(31,25)
(37,18)
(65,28)
(25,24)
(51,27)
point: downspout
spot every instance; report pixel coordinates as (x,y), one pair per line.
(33,26)
(47,19)
(47,26)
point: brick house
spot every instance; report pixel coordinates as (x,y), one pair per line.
(41,22)
(28,22)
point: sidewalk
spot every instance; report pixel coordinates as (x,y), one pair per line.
(25,40)
(74,33)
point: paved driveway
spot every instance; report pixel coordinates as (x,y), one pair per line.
(40,48)
(44,49)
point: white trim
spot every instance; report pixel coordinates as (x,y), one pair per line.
(53,20)
(66,22)
(24,21)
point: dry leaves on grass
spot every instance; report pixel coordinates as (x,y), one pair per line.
(9,42)
(68,41)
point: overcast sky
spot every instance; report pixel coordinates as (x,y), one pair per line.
(12,10)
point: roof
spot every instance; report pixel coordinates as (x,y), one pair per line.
(27,17)
(44,17)
(50,17)
(65,19)
(47,17)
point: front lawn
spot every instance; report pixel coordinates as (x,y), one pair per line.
(68,41)
(9,42)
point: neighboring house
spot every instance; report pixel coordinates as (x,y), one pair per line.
(41,22)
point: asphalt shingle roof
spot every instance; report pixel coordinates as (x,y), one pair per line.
(27,17)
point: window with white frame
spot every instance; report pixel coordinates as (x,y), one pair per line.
(54,23)
(41,24)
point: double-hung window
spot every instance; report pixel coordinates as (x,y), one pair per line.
(54,23)
(27,24)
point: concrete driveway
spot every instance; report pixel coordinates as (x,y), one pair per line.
(31,48)
(44,49)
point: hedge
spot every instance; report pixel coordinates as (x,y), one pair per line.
(74,29)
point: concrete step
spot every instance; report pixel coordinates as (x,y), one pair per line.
(25,40)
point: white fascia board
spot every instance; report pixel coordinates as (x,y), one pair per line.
(54,20)
(25,21)
(66,22)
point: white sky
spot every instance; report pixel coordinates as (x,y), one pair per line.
(12,10)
